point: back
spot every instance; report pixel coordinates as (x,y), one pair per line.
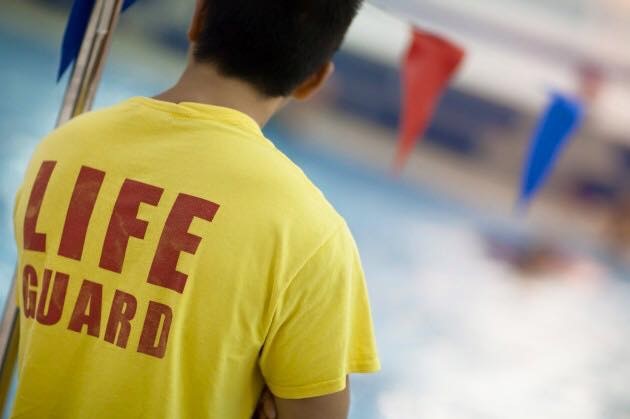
(171,263)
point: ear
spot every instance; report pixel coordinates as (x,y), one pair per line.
(314,83)
(196,26)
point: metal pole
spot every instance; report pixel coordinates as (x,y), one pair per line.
(79,97)
(8,343)
(88,68)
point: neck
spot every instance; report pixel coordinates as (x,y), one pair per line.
(202,83)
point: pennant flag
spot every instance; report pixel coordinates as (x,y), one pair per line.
(428,66)
(127,4)
(558,124)
(591,82)
(75,32)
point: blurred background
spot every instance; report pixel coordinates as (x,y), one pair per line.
(480,312)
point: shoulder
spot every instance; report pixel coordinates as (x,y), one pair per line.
(95,118)
(298,221)
(83,126)
(300,197)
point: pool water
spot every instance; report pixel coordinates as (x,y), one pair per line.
(461,335)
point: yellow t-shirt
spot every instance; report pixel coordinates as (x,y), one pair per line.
(171,262)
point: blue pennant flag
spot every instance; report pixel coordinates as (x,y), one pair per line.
(127,4)
(559,123)
(75,32)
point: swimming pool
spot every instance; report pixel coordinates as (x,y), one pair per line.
(460,335)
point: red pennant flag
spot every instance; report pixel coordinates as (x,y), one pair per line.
(430,63)
(591,82)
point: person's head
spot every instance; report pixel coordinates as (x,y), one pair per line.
(281,47)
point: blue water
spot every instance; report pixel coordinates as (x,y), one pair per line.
(460,334)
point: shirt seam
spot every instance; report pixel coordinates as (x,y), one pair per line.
(287,285)
(230,122)
(357,366)
(327,239)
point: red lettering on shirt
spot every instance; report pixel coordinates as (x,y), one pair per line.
(124,222)
(46,304)
(87,310)
(176,239)
(155,313)
(56,300)
(32,239)
(29,295)
(79,212)
(122,311)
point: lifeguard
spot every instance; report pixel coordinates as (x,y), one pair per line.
(173,262)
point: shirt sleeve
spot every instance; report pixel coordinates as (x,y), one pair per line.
(322,327)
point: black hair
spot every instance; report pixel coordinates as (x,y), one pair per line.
(273,45)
